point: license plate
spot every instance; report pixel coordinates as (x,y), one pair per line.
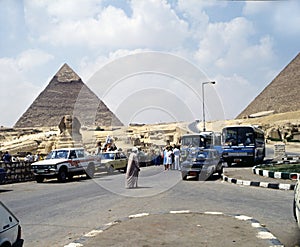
(237,160)
(238,154)
(193,173)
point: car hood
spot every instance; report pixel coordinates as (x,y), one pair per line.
(50,162)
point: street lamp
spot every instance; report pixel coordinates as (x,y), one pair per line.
(203,83)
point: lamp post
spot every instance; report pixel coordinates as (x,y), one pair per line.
(203,108)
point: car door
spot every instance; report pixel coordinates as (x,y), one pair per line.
(9,225)
(123,160)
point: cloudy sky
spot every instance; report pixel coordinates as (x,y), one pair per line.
(242,45)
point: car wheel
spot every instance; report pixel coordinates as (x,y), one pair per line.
(39,179)
(90,171)
(184,177)
(110,169)
(62,175)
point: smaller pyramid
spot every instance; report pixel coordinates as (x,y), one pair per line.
(281,95)
(66,94)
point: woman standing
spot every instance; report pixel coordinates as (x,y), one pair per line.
(132,171)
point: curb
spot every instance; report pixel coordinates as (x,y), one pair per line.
(262,232)
(270,174)
(259,184)
(282,175)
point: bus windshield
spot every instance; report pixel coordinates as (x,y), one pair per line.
(236,136)
(193,141)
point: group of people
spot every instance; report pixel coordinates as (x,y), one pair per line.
(109,145)
(8,158)
(171,157)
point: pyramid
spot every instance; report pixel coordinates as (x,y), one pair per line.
(66,94)
(281,95)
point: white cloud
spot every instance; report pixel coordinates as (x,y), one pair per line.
(235,92)
(152,24)
(33,58)
(228,47)
(282,16)
(15,90)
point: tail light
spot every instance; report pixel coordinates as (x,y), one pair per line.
(294,176)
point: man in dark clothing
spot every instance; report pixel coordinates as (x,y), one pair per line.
(7,157)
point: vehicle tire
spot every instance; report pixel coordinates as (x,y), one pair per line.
(229,163)
(62,175)
(39,179)
(125,169)
(90,171)
(184,177)
(294,210)
(6,244)
(110,169)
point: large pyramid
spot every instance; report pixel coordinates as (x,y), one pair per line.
(281,95)
(66,94)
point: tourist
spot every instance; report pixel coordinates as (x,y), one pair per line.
(169,157)
(176,153)
(6,157)
(133,170)
(98,148)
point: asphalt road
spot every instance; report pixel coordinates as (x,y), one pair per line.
(55,214)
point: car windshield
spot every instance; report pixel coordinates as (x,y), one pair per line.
(107,156)
(59,154)
(199,154)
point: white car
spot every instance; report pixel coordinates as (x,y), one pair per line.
(10,229)
(65,163)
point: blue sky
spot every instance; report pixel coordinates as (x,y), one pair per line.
(242,45)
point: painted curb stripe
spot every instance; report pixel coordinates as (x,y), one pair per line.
(259,184)
(263,233)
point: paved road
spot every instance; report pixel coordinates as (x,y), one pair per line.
(54,214)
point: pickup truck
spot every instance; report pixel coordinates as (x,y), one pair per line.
(65,163)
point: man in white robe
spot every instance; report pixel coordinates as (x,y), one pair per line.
(132,171)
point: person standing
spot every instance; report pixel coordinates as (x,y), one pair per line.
(169,158)
(98,148)
(176,153)
(7,157)
(165,157)
(133,169)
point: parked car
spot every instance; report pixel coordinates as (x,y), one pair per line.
(65,163)
(202,163)
(114,160)
(296,203)
(10,229)
(2,175)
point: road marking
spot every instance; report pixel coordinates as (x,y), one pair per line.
(180,212)
(138,215)
(93,233)
(263,233)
